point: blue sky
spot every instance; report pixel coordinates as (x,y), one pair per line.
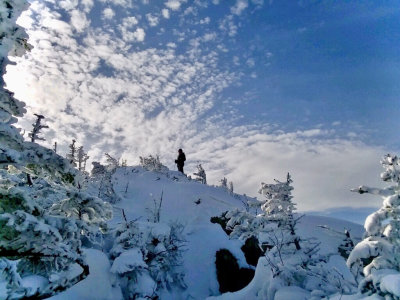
(251,89)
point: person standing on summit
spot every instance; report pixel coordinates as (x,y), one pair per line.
(180,161)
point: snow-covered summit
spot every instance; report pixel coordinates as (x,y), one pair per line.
(139,195)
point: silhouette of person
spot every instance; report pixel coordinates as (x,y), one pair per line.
(180,161)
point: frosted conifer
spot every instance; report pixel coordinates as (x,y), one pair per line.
(32,242)
(376,260)
(112,163)
(201,174)
(82,157)
(71,156)
(37,126)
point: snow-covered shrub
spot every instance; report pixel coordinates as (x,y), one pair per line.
(89,213)
(101,177)
(152,163)
(147,258)
(200,175)
(376,259)
(155,210)
(346,246)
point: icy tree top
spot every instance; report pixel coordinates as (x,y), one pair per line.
(374,224)
(13,41)
(278,197)
(392,166)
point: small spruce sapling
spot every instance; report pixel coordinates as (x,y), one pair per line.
(71,156)
(37,127)
(200,175)
(82,157)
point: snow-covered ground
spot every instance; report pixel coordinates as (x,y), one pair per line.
(193,204)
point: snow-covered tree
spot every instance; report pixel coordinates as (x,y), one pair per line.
(101,177)
(71,156)
(90,212)
(112,163)
(124,162)
(152,163)
(200,175)
(37,127)
(290,262)
(13,42)
(279,207)
(147,258)
(32,242)
(98,169)
(224,183)
(82,157)
(376,259)
(230,188)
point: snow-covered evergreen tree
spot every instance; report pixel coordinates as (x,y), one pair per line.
(98,169)
(230,187)
(82,157)
(32,242)
(147,258)
(279,207)
(152,163)
(101,176)
(376,259)
(112,163)
(37,127)
(200,175)
(224,183)
(71,156)
(290,262)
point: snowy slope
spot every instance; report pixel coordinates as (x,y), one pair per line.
(192,204)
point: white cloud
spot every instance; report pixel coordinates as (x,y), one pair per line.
(123,3)
(139,35)
(206,20)
(239,7)
(129,22)
(174,4)
(228,25)
(153,20)
(69,4)
(209,37)
(108,13)
(87,4)
(258,2)
(251,62)
(165,13)
(79,20)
